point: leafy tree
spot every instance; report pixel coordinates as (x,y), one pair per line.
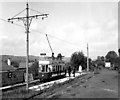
(77,59)
(119,51)
(102,58)
(111,56)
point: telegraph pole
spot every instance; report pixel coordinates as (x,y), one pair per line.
(27,41)
(87,57)
(27,21)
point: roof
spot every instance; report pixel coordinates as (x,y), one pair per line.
(5,67)
(23,64)
(50,61)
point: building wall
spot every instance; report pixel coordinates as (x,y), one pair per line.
(12,77)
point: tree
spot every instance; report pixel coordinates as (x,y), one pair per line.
(111,56)
(119,51)
(77,59)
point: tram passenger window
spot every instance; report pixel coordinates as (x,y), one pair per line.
(43,68)
(46,68)
(40,68)
(53,68)
(56,67)
(60,67)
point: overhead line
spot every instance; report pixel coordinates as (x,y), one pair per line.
(35,11)
(43,33)
(12,23)
(19,13)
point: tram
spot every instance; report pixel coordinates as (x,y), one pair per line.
(50,68)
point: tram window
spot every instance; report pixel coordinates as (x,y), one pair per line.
(40,68)
(46,68)
(60,67)
(53,68)
(49,67)
(43,68)
(56,68)
(63,67)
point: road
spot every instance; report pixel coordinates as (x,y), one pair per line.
(101,85)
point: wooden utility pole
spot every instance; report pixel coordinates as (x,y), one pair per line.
(27,21)
(87,57)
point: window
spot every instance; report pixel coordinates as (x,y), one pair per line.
(43,68)
(46,68)
(53,68)
(60,68)
(40,68)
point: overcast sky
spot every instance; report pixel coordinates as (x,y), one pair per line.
(73,25)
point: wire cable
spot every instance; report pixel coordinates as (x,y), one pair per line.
(35,11)
(18,13)
(12,23)
(44,33)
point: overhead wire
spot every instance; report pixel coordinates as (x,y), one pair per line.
(11,23)
(43,33)
(35,11)
(18,13)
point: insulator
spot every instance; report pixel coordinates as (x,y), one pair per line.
(36,16)
(8,20)
(12,22)
(18,18)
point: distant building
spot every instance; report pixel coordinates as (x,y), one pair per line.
(107,64)
(5,67)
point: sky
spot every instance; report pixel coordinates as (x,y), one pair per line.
(70,26)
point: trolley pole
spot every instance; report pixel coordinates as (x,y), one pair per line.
(27,21)
(87,57)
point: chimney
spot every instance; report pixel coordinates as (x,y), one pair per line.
(9,61)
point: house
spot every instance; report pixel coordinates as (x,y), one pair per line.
(5,67)
(107,64)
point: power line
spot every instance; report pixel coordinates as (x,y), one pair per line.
(70,43)
(19,13)
(12,23)
(36,11)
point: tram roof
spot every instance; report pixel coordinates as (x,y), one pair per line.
(50,61)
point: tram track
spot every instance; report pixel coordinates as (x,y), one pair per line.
(41,87)
(32,83)
(55,85)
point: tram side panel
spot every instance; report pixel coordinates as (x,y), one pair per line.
(51,70)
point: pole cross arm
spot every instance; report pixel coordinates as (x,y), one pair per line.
(34,16)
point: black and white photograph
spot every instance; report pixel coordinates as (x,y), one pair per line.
(59,49)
